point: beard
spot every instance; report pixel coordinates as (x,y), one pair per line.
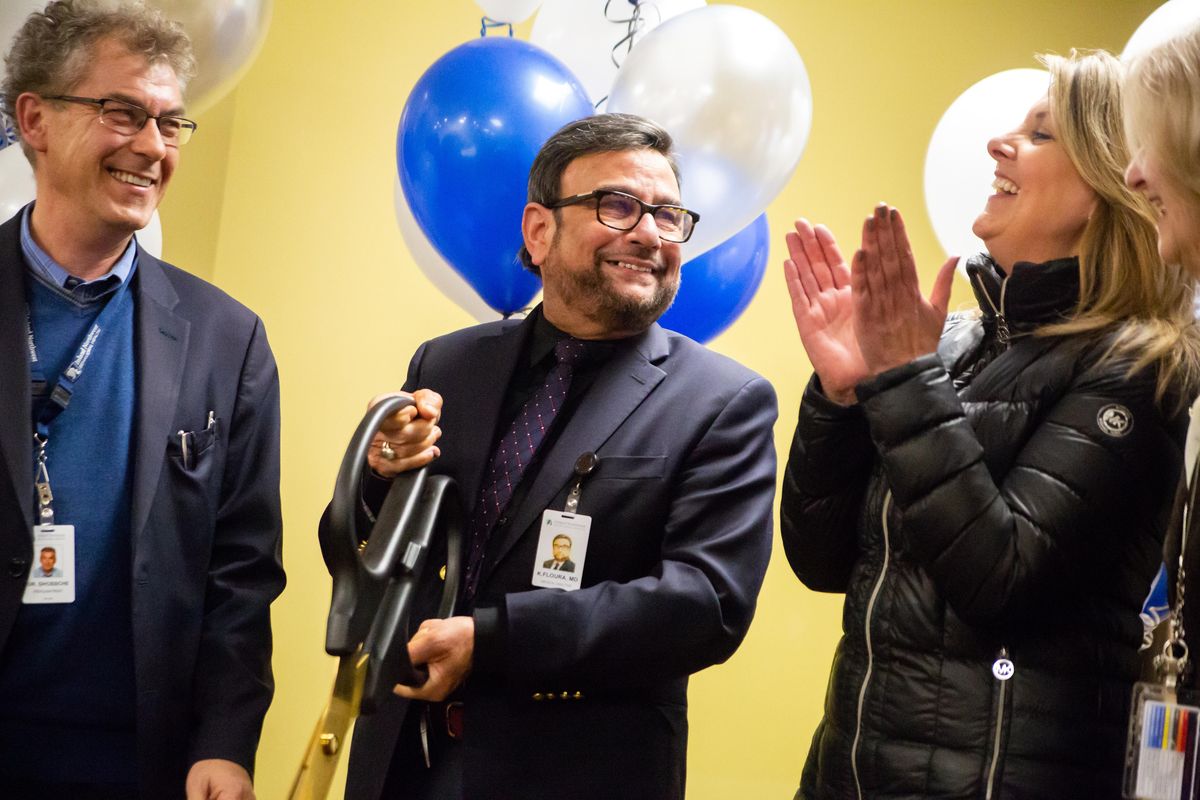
(591,289)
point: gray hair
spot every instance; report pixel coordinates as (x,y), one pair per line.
(51,52)
(602,133)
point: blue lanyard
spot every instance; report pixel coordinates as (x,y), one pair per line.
(60,396)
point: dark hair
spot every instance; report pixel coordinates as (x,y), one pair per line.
(602,133)
(562,536)
(52,51)
(49,550)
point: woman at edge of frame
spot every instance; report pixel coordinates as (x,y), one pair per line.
(1162,122)
(991,491)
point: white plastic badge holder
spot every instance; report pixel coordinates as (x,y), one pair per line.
(1161,755)
(561,550)
(52,576)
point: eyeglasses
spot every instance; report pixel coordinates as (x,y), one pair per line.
(127,119)
(624,211)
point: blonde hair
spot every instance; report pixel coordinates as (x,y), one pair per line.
(1162,113)
(1124,288)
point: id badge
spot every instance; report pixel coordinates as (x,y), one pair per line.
(561,550)
(1160,756)
(52,578)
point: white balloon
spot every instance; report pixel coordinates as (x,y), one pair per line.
(16,182)
(226,38)
(578,33)
(958,170)
(13,14)
(513,11)
(151,236)
(18,189)
(1169,19)
(730,88)
(433,266)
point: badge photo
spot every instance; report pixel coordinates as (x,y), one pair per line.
(52,576)
(561,550)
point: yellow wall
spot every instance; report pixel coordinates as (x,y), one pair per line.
(285,200)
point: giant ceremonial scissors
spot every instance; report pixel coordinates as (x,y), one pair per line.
(377,577)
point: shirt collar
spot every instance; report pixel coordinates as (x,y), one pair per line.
(41,264)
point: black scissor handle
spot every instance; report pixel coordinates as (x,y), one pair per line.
(375,586)
(356,590)
(438,511)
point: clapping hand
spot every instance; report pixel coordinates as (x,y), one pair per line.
(893,322)
(819,282)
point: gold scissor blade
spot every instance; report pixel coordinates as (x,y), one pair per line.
(325,747)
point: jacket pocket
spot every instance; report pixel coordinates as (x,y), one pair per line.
(629,467)
(193,450)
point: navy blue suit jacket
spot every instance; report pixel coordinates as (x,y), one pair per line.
(205,539)
(681,508)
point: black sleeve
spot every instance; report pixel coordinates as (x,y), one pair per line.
(823,489)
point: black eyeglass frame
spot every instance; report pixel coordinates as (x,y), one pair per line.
(185,124)
(646,208)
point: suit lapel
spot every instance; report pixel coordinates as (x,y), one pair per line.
(161,348)
(488,368)
(16,433)
(619,388)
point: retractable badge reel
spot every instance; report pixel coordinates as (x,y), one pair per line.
(1164,719)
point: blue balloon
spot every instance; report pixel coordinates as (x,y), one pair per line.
(716,287)
(466,140)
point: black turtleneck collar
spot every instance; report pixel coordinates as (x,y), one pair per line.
(1034,295)
(545,335)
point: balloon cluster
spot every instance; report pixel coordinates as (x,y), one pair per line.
(726,83)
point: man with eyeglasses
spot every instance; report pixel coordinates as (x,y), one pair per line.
(652,454)
(139,427)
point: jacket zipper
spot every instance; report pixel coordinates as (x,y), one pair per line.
(1002,331)
(1002,670)
(862,691)
(1002,667)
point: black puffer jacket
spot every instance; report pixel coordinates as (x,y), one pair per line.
(994,514)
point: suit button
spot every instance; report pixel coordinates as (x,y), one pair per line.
(577,696)
(565,695)
(550,695)
(537,695)
(16,567)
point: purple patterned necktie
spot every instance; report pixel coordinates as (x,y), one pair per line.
(515,452)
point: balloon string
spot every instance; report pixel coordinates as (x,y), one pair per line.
(488,22)
(520,313)
(634,23)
